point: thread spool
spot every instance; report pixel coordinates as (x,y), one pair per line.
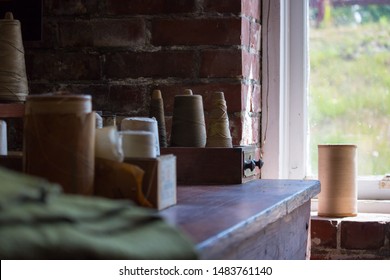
(3,138)
(108,144)
(157,112)
(13,78)
(142,124)
(138,144)
(99,120)
(188,122)
(59,140)
(218,132)
(337,172)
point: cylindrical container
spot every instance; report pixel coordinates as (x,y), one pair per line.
(337,172)
(13,78)
(3,138)
(188,122)
(142,124)
(138,144)
(59,140)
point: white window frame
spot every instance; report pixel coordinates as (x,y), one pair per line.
(285,71)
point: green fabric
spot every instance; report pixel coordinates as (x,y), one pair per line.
(37,221)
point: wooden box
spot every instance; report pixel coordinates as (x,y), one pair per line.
(211,166)
(159,183)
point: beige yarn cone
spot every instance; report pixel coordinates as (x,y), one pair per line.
(337,172)
(218,133)
(13,78)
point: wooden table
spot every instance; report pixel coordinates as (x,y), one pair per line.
(261,219)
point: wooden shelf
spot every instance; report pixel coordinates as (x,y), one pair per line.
(11,110)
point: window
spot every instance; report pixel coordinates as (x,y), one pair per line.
(285,87)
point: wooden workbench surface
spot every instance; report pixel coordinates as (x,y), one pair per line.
(216,217)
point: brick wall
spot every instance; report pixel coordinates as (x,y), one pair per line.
(119,51)
(366,236)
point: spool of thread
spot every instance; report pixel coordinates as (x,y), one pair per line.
(188,122)
(13,78)
(142,124)
(3,138)
(99,120)
(59,140)
(138,144)
(337,172)
(109,120)
(157,112)
(108,144)
(218,132)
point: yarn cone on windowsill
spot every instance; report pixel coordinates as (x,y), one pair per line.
(13,78)
(218,133)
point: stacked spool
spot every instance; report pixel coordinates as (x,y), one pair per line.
(218,132)
(140,137)
(188,122)
(13,78)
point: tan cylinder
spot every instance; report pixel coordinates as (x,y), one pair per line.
(337,172)
(59,140)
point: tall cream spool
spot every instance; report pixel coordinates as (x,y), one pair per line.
(142,124)
(3,138)
(218,132)
(337,171)
(13,78)
(188,122)
(59,140)
(157,112)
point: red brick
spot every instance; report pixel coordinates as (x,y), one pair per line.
(323,233)
(150,7)
(250,65)
(102,33)
(218,31)
(61,66)
(362,235)
(129,100)
(162,64)
(222,6)
(255,37)
(221,63)
(70,7)
(251,98)
(236,129)
(251,8)
(250,129)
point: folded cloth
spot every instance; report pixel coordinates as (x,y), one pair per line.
(37,221)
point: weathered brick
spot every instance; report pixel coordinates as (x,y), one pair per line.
(129,100)
(222,6)
(251,66)
(61,66)
(221,63)
(150,64)
(236,128)
(251,35)
(323,233)
(362,235)
(103,33)
(150,7)
(70,7)
(251,8)
(250,129)
(217,31)
(251,98)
